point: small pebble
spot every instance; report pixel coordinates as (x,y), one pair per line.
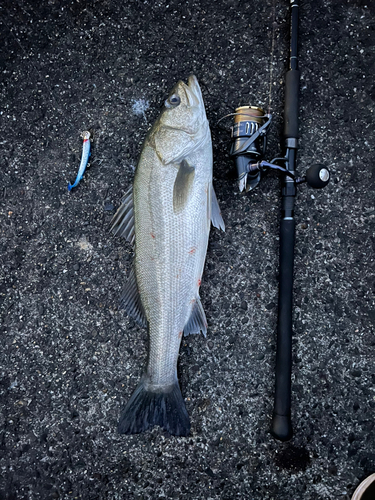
(108,206)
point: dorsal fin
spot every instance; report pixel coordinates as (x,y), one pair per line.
(131,300)
(122,223)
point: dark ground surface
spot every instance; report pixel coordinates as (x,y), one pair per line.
(70,359)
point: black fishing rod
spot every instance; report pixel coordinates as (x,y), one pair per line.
(248,147)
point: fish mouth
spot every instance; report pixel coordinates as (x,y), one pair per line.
(193,91)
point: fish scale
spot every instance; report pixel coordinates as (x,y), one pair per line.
(163,259)
(172,206)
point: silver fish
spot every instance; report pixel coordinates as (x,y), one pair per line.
(167,214)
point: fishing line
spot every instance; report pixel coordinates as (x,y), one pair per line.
(237,114)
(274,25)
(272,54)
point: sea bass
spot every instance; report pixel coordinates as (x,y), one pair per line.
(167,214)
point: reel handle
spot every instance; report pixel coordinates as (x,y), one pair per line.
(317,176)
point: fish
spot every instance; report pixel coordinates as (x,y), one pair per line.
(167,215)
(84,159)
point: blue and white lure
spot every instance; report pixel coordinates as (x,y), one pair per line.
(84,159)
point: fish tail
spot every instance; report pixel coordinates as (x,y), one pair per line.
(148,408)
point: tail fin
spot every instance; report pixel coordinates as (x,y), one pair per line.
(146,409)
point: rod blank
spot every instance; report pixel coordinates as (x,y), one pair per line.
(281,427)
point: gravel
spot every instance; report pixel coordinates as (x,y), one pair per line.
(69,358)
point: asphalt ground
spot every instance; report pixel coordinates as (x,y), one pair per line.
(70,358)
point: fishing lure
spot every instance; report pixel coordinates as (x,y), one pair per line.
(84,159)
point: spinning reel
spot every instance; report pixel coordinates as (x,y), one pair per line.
(249,141)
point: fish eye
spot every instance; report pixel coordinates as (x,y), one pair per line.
(173,101)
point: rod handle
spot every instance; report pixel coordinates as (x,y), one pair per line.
(281,427)
(291,104)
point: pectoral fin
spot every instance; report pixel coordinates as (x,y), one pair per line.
(182,186)
(216,217)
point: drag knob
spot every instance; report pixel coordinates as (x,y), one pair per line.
(317,176)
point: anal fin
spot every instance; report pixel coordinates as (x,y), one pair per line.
(197,322)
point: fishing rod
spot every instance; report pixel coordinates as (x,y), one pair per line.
(249,132)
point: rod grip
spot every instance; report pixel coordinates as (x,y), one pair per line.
(281,427)
(291,104)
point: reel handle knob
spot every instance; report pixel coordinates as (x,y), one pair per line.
(317,176)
